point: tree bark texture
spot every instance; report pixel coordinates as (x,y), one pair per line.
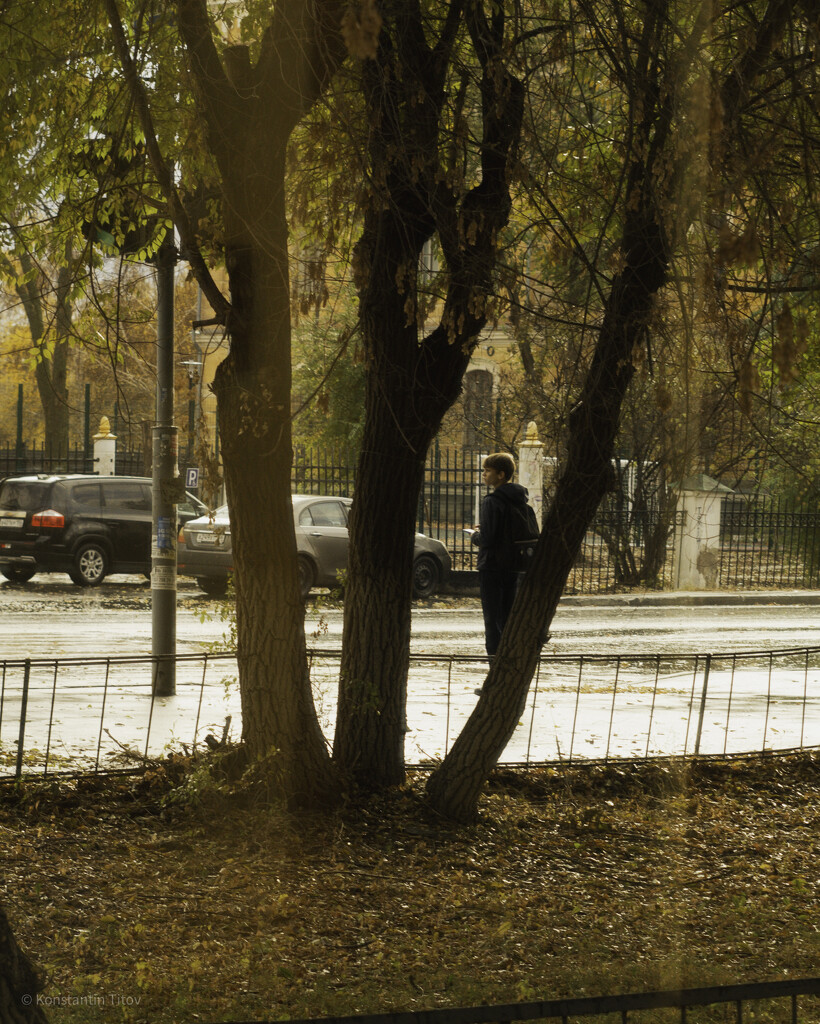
(408,389)
(19,981)
(411,380)
(252,386)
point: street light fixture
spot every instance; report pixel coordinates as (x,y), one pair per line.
(194,368)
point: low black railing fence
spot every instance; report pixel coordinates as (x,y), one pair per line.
(791,1001)
(70,714)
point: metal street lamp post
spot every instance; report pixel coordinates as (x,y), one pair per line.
(164,486)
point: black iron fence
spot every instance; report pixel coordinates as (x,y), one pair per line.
(768,543)
(317,471)
(791,1001)
(17,460)
(75,714)
(763,542)
(449,501)
(619,549)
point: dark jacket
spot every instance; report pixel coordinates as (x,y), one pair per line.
(492,523)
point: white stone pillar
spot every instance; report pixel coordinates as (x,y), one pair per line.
(105,449)
(697,538)
(531,468)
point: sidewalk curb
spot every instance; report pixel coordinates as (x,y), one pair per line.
(465,584)
(688,599)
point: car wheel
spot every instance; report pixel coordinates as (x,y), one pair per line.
(14,574)
(90,566)
(214,586)
(307,575)
(425,576)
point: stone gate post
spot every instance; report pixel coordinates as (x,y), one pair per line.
(531,468)
(697,538)
(105,449)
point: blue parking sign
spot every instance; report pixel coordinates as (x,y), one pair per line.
(191,477)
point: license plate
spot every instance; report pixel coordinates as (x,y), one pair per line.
(209,538)
(11,524)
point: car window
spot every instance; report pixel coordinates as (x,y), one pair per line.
(86,496)
(126,496)
(23,496)
(323,513)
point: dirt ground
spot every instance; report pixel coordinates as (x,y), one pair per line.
(170,898)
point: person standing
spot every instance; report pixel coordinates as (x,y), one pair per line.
(497,575)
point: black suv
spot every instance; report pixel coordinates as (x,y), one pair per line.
(87,526)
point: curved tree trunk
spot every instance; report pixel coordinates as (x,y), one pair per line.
(454,788)
(20,983)
(654,200)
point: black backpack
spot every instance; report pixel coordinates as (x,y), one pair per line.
(522,536)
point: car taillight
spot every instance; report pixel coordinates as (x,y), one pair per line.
(49,519)
(181,535)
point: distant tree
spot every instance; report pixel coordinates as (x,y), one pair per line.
(328,386)
(47,308)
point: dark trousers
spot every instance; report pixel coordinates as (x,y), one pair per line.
(498,589)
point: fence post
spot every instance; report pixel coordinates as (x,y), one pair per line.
(696,564)
(19,451)
(21,735)
(191,431)
(87,427)
(531,468)
(105,449)
(702,712)
(435,490)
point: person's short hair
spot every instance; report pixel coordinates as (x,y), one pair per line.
(501,462)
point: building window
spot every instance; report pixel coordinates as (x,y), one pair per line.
(478,408)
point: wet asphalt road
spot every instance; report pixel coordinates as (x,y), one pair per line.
(50,617)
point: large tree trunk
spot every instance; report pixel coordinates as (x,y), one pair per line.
(411,382)
(369,741)
(252,386)
(20,983)
(409,386)
(250,110)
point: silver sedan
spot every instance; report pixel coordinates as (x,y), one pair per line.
(205,553)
